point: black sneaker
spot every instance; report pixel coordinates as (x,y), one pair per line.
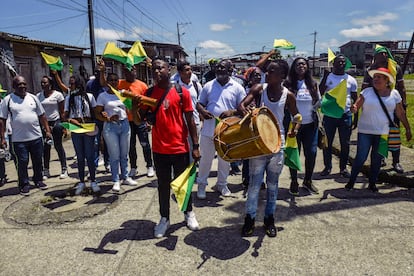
(248,226)
(308,185)
(3,181)
(325,172)
(269,226)
(349,186)
(41,185)
(373,188)
(294,188)
(344,173)
(25,190)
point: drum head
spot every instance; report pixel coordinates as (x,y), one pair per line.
(268,129)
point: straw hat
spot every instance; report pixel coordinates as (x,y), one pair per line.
(383,71)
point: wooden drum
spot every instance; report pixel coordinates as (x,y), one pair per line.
(256,134)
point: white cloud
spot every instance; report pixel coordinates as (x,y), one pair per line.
(366,31)
(407,34)
(378,19)
(219,27)
(218,47)
(370,26)
(332,43)
(107,34)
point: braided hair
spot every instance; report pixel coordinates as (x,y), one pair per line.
(80,91)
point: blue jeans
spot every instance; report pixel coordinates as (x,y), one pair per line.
(272,165)
(344,128)
(308,137)
(84,148)
(22,151)
(98,136)
(364,144)
(116,137)
(141,131)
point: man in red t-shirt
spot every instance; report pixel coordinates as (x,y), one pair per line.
(169,141)
(136,87)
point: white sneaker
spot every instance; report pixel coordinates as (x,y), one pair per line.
(161,227)
(132,172)
(150,171)
(201,191)
(129,181)
(46,174)
(95,187)
(101,161)
(80,188)
(116,187)
(64,174)
(223,189)
(191,220)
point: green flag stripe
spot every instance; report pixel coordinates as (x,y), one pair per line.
(330,107)
(189,189)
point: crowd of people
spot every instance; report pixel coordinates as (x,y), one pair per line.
(183,125)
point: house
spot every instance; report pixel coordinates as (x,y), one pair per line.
(21,55)
(361,53)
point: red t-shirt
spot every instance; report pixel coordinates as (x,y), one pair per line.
(137,88)
(169,135)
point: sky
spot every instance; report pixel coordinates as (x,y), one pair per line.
(213,28)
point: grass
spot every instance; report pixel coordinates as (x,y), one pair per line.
(410,117)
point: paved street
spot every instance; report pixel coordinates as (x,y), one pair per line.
(334,233)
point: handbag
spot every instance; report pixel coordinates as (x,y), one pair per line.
(394,134)
(322,138)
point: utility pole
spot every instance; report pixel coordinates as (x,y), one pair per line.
(314,45)
(195,54)
(178,31)
(407,57)
(91,34)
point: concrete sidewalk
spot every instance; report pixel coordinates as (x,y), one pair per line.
(334,233)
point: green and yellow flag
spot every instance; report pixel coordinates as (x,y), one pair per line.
(126,101)
(383,145)
(292,159)
(84,128)
(182,186)
(3,92)
(137,53)
(392,64)
(55,63)
(134,56)
(334,101)
(332,56)
(283,44)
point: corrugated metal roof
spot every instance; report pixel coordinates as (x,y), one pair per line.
(24,39)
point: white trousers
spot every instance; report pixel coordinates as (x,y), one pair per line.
(207,151)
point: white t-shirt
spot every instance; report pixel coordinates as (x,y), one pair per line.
(217,99)
(351,86)
(77,113)
(304,102)
(112,105)
(373,119)
(194,97)
(51,104)
(24,117)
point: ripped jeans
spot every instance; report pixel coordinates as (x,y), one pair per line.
(272,165)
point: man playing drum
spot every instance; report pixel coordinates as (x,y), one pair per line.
(275,97)
(218,98)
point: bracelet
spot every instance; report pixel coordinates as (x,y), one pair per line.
(196,146)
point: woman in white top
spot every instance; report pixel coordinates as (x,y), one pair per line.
(53,103)
(305,88)
(116,132)
(374,122)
